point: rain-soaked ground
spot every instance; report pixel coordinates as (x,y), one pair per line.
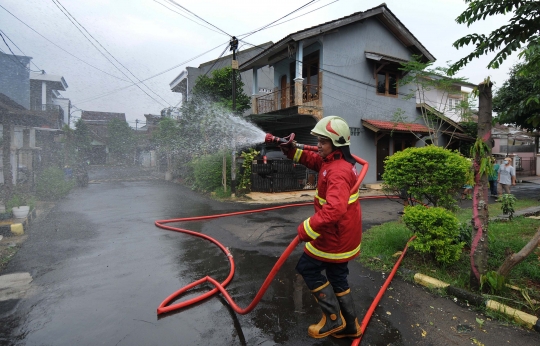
(100,268)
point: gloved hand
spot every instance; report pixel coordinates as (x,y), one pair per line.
(302,233)
(285,147)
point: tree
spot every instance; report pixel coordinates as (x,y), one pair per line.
(167,138)
(482,164)
(82,139)
(120,140)
(523,29)
(511,104)
(218,88)
(425,81)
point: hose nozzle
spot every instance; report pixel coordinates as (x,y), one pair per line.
(270,138)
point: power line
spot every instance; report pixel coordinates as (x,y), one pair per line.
(156,75)
(303,14)
(215,62)
(15,59)
(68,15)
(277,20)
(3,32)
(177,4)
(204,26)
(34,30)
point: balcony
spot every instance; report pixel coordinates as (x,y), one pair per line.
(53,113)
(282,99)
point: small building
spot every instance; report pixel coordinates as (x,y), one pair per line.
(97,122)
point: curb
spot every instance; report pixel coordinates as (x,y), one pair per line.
(522,318)
(17,228)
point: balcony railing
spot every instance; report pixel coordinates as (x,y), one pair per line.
(285,98)
(310,92)
(54,113)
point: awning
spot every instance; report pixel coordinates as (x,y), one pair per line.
(393,126)
(383,57)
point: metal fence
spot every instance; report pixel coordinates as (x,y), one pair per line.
(281,176)
(526,166)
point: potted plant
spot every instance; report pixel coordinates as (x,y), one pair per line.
(20,205)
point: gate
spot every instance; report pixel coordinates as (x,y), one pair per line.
(526,166)
(281,176)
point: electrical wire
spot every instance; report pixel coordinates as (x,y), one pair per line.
(14,56)
(31,61)
(277,20)
(204,26)
(70,16)
(76,57)
(156,75)
(215,62)
(288,20)
(177,4)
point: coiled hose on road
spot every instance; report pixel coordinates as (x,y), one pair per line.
(164,307)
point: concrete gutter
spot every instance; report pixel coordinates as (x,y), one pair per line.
(520,317)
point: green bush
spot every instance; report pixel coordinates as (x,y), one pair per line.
(208,171)
(51,184)
(437,231)
(508,204)
(244,185)
(431,174)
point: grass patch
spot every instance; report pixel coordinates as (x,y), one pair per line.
(381,243)
(6,254)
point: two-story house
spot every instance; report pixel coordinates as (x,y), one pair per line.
(32,112)
(348,67)
(185,81)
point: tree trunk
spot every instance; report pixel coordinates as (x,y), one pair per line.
(514,259)
(6,161)
(479,247)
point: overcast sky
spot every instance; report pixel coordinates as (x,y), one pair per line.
(148,39)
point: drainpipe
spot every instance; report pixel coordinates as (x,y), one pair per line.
(43,95)
(298,81)
(254,91)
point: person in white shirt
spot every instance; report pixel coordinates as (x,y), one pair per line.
(507,176)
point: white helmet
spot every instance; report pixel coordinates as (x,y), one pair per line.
(335,128)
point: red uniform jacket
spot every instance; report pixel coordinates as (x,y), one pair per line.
(334,233)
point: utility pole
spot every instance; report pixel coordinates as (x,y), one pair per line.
(136,124)
(234,65)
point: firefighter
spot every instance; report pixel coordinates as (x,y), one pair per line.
(333,234)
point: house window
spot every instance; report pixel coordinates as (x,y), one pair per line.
(310,74)
(453,104)
(386,79)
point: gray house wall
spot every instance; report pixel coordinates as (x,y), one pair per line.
(15,78)
(344,53)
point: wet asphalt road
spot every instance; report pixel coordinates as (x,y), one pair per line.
(100,268)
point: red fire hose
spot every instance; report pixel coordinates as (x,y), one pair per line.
(164,307)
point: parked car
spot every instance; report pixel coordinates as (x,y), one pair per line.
(271,152)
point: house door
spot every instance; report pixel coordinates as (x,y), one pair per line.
(283,92)
(383,146)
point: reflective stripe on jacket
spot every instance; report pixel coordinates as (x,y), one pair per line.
(335,227)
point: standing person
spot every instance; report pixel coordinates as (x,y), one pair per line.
(507,176)
(493,177)
(333,234)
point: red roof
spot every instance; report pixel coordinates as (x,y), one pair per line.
(378,125)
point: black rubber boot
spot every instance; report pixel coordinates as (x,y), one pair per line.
(346,304)
(332,320)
